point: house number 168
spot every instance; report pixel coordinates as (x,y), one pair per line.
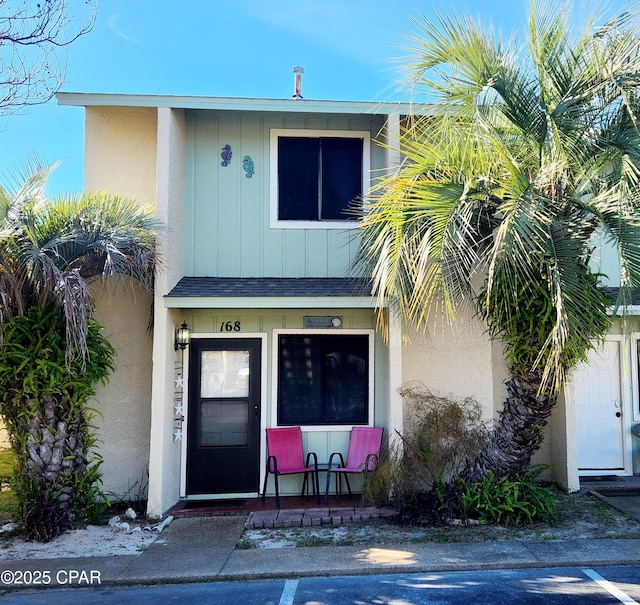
(230,326)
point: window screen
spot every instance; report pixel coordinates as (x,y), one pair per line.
(323,379)
(341,177)
(319,178)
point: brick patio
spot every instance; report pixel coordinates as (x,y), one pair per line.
(299,517)
(294,511)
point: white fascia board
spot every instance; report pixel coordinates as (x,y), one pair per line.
(627,310)
(257,302)
(237,103)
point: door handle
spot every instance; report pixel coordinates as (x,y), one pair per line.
(256,410)
(618,414)
(617,403)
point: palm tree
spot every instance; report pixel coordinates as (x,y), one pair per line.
(53,354)
(526,154)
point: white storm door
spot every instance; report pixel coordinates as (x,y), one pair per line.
(599,410)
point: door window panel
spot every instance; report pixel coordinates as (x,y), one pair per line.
(224,423)
(224,374)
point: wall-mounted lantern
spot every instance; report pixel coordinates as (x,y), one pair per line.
(183,336)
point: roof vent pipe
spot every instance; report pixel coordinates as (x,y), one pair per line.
(297,90)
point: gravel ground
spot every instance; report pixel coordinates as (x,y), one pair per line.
(118,537)
(577,516)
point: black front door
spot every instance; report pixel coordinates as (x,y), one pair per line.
(223,433)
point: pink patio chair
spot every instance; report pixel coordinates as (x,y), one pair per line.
(364,449)
(284,447)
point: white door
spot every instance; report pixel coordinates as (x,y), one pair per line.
(599,411)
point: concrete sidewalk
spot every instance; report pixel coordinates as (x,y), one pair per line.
(203,549)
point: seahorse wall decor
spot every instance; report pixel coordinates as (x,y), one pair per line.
(247,164)
(226,155)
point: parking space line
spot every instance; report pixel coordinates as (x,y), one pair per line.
(288,592)
(609,587)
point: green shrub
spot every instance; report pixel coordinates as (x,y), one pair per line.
(44,405)
(507,500)
(379,482)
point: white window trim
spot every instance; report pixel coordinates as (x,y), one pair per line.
(274,379)
(275,133)
(635,374)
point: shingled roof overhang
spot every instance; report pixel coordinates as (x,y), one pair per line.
(633,304)
(270,293)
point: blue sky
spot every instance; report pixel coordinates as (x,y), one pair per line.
(247,48)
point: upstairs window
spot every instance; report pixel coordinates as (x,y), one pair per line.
(317,177)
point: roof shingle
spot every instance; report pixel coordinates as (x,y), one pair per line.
(270,287)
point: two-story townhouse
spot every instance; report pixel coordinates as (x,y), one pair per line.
(260,232)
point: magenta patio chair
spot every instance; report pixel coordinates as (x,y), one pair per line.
(286,457)
(364,448)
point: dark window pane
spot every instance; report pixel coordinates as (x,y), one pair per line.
(300,381)
(341,167)
(319,178)
(224,423)
(323,380)
(298,179)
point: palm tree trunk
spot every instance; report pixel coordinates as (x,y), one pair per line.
(518,432)
(54,457)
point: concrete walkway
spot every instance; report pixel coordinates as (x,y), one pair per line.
(203,549)
(621,494)
(187,551)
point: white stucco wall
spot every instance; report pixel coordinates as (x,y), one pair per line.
(456,362)
(120,151)
(165,452)
(124,405)
(4,437)
(559,450)
(120,158)
(465,363)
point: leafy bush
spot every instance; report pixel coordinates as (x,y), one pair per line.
(423,482)
(44,404)
(441,433)
(507,500)
(43,519)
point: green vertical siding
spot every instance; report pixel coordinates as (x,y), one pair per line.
(227,231)
(205,187)
(189,194)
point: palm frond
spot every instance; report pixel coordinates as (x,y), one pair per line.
(529,154)
(51,251)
